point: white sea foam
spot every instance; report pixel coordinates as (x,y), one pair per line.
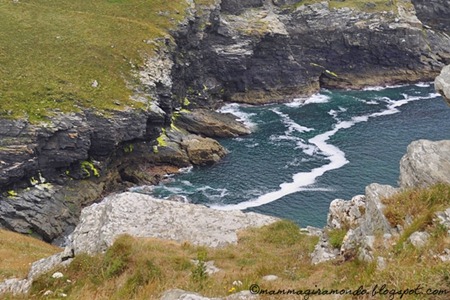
(335,113)
(334,155)
(205,190)
(292,127)
(308,149)
(290,124)
(252,145)
(316,98)
(185,170)
(234,108)
(302,180)
(380,88)
(370,102)
(187,182)
(423,84)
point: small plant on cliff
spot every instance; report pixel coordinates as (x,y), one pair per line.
(199,274)
(128,148)
(87,167)
(12,193)
(336,237)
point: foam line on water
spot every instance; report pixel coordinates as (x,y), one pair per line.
(333,154)
(380,88)
(234,109)
(316,98)
(290,124)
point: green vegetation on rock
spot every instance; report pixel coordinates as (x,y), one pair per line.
(336,237)
(89,169)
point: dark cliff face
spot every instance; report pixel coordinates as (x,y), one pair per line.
(434,13)
(274,53)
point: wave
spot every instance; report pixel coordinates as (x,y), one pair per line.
(424,84)
(301,181)
(234,109)
(380,88)
(185,170)
(316,98)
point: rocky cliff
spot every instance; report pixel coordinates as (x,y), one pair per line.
(249,51)
(260,51)
(363,218)
(442,83)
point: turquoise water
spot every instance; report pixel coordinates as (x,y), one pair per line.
(303,155)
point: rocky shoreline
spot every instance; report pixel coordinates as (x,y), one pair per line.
(141,215)
(243,51)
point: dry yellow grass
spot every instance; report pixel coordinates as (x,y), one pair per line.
(144,268)
(17,252)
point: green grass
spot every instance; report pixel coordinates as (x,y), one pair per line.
(52,51)
(336,237)
(416,203)
(136,268)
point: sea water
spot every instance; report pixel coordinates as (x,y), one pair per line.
(304,154)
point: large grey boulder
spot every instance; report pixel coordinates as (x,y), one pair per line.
(442,83)
(425,163)
(144,216)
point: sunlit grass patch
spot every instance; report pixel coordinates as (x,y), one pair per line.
(17,252)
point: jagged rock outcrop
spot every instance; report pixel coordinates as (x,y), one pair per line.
(144,216)
(210,123)
(442,83)
(425,163)
(346,214)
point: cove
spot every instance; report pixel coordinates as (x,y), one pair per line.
(304,154)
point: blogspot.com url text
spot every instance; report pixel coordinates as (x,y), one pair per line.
(377,290)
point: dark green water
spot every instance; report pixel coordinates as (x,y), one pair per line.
(301,156)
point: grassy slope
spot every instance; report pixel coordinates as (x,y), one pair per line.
(144,268)
(17,252)
(52,50)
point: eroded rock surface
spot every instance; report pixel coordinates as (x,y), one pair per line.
(425,163)
(442,83)
(144,216)
(210,123)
